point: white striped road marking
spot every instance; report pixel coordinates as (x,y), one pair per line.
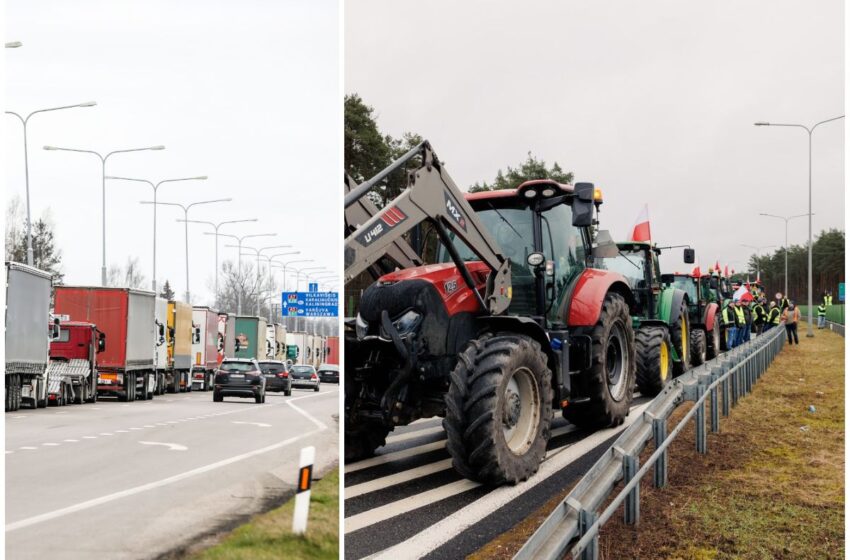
(394,456)
(51,444)
(148,425)
(137,428)
(409,503)
(397,478)
(121,431)
(105,434)
(89,437)
(413,435)
(170,446)
(71,440)
(166,481)
(449,527)
(258,424)
(28,448)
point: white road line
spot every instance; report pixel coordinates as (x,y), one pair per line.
(394,456)
(137,428)
(398,478)
(568,429)
(170,446)
(9,452)
(121,431)
(150,486)
(149,426)
(28,448)
(51,444)
(449,527)
(105,434)
(258,424)
(71,440)
(413,435)
(18,416)
(409,503)
(89,437)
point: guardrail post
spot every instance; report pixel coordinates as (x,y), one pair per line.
(631,509)
(715,411)
(700,420)
(724,385)
(659,432)
(586,519)
(734,376)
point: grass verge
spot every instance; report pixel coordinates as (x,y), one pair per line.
(268,536)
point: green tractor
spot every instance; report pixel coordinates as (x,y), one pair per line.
(660,316)
(705,303)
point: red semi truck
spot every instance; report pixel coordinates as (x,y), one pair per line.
(332,350)
(204,347)
(126,367)
(73,361)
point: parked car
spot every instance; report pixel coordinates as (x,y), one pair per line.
(239,377)
(277,376)
(329,373)
(304,376)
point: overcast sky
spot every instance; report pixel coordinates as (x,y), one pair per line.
(245,92)
(654,102)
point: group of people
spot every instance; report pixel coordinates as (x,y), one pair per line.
(743,318)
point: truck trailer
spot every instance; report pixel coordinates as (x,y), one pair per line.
(28,335)
(280,342)
(297,349)
(249,335)
(332,350)
(204,347)
(126,316)
(180,347)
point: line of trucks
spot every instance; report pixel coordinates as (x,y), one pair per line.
(73,344)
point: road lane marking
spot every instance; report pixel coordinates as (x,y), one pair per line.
(148,425)
(398,478)
(18,416)
(137,428)
(105,433)
(151,485)
(28,448)
(170,446)
(9,452)
(89,437)
(449,527)
(71,440)
(390,457)
(258,424)
(121,431)
(408,504)
(50,444)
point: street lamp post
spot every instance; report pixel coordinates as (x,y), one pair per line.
(287,263)
(810,332)
(186,209)
(155,187)
(103,189)
(239,240)
(24,121)
(215,229)
(269,260)
(786,220)
(258,253)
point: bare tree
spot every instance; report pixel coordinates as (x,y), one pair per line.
(129,276)
(249,284)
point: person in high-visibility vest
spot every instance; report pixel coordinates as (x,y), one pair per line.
(773,316)
(827,298)
(748,320)
(759,316)
(821,315)
(730,323)
(741,320)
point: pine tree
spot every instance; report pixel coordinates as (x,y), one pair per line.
(167,292)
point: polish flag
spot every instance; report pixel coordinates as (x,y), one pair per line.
(743,294)
(641,231)
(726,271)
(717,266)
(695,272)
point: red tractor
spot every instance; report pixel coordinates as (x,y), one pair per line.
(510,324)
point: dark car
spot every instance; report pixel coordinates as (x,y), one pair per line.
(304,376)
(277,377)
(239,378)
(329,373)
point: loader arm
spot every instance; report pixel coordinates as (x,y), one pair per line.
(400,252)
(434,197)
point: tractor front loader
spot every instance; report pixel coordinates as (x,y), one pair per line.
(508,325)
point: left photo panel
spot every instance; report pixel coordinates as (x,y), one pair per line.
(172,380)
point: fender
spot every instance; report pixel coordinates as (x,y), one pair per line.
(585,300)
(711,311)
(670,305)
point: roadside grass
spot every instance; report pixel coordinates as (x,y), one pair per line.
(771,485)
(268,536)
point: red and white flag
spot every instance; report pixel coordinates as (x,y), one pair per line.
(641,230)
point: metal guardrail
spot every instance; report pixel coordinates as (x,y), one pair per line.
(730,375)
(835,327)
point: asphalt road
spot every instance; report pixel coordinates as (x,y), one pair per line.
(140,480)
(408,502)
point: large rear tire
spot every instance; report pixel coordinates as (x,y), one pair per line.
(699,347)
(610,381)
(654,359)
(714,341)
(680,336)
(498,410)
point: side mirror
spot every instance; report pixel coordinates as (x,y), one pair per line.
(583,205)
(161,330)
(101,342)
(535,260)
(690,256)
(171,333)
(605,247)
(54,330)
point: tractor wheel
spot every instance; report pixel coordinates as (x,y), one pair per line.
(699,349)
(714,344)
(654,359)
(498,410)
(610,381)
(362,437)
(680,336)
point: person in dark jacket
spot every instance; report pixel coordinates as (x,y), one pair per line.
(759,316)
(730,323)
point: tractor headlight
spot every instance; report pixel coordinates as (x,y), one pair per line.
(407,322)
(361,327)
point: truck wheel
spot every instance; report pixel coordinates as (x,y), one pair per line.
(498,409)
(654,359)
(699,350)
(680,336)
(18,393)
(151,380)
(80,396)
(362,437)
(610,381)
(288,392)
(217,397)
(714,344)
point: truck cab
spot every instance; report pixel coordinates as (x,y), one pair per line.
(73,357)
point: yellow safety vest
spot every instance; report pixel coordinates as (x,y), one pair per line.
(739,311)
(821,311)
(773,316)
(727,318)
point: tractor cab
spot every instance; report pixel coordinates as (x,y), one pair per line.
(637,261)
(548,244)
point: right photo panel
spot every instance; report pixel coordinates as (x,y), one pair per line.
(594,266)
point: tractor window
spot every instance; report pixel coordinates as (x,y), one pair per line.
(630,264)
(688,285)
(562,244)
